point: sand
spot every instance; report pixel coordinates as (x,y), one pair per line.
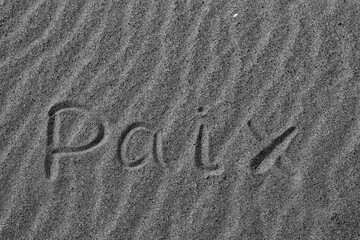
(143,119)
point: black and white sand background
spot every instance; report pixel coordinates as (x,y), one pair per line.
(174,119)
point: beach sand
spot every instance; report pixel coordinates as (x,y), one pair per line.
(139,119)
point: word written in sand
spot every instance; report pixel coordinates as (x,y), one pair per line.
(259,164)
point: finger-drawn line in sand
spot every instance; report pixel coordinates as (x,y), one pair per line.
(158,149)
(202,154)
(123,143)
(268,156)
(51,150)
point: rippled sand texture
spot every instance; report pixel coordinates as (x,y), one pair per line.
(256,67)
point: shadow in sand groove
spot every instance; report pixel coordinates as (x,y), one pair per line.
(265,153)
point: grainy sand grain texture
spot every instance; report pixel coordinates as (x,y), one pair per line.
(169,119)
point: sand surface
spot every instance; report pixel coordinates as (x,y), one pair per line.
(169,119)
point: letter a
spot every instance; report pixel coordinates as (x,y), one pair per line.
(124,142)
